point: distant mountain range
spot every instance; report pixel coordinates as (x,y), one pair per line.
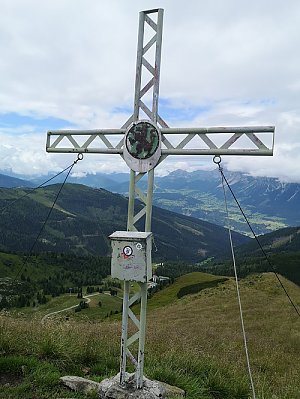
(84,217)
(268,203)
(10,182)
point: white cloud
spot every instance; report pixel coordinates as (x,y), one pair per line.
(76,61)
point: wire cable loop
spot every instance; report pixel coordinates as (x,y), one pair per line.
(217,160)
(79,157)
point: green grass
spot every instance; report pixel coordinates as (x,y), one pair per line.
(194,343)
(192,283)
(207,326)
(21,376)
(13,266)
(93,312)
(201,379)
(6,262)
(109,304)
(41,196)
(54,304)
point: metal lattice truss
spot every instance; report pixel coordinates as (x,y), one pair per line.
(102,141)
(139,335)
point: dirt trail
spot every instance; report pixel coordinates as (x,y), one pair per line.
(69,308)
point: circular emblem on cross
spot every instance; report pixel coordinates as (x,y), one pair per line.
(142,146)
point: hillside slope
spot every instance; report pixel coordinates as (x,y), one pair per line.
(207,325)
(269,203)
(282,248)
(194,343)
(282,240)
(84,217)
(187,284)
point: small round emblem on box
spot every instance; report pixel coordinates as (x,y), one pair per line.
(127,251)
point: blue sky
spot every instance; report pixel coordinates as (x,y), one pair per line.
(65,65)
(12,120)
(172,112)
(181,113)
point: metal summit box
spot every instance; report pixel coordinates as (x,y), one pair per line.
(131,255)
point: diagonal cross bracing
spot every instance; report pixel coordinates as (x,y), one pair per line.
(54,142)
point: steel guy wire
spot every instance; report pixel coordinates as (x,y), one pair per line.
(237,285)
(255,236)
(35,188)
(79,158)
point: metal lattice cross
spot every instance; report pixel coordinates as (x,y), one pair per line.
(138,138)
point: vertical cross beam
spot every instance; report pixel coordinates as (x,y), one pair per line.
(142,64)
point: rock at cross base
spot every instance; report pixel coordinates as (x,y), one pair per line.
(110,388)
(80,384)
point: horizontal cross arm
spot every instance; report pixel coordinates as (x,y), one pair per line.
(218,129)
(85,132)
(96,141)
(169,151)
(85,150)
(55,141)
(216,151)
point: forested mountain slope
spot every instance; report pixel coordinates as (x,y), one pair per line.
(84,217)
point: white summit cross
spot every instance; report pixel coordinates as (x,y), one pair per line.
(146,142)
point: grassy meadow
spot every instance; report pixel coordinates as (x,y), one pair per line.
(65,305)
(193,342)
